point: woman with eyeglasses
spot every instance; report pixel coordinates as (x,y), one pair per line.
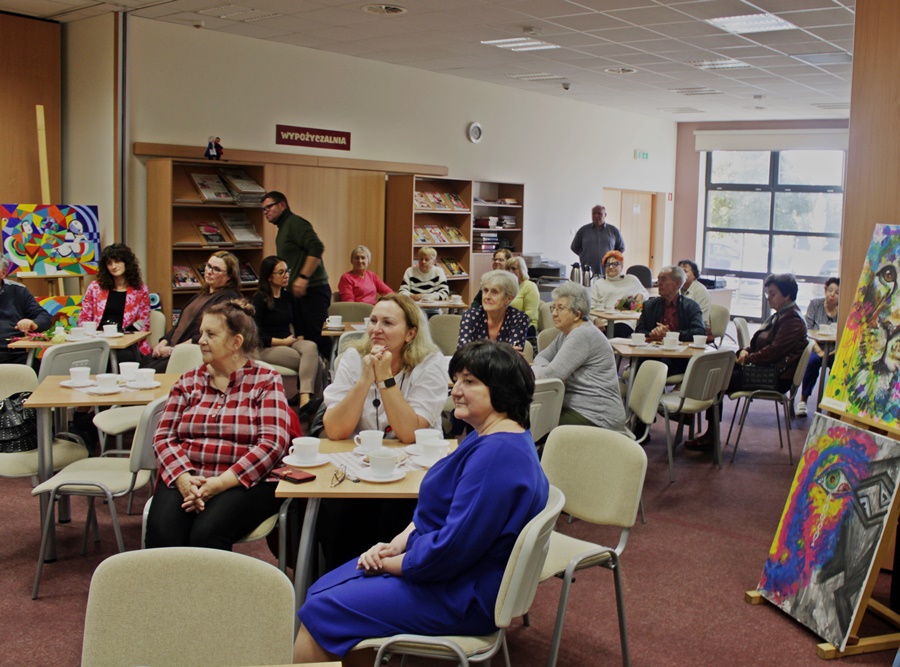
(221,282)
(617,291)
(819,312)
(495,318)
(275,318)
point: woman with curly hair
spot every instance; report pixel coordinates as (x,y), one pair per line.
(118,295)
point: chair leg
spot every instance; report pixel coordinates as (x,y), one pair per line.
(643,516)
(620,607)
(737,406)
(560,618)
(88,523)
(115,521)
(526,620)
(747,402)
(282,535)
(45,539)
(778,422)
(717,445)
(790,450)
(669,447)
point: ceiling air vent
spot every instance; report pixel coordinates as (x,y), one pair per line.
(695,91)
(384,10)
(620,70)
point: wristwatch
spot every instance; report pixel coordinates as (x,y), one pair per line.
(387,384)
(300,275)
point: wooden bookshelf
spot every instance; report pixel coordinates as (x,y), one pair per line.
(512,238)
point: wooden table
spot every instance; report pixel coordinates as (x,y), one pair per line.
(827,342)
(613,316)
(321,488)
(49,395)
(115,344)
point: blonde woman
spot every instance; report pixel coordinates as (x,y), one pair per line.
(359,285)
(528,300)
(424,279)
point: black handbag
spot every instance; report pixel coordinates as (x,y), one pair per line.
(757,378)
(18,424)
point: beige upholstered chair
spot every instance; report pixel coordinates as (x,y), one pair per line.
(130,618)
(157,327)
(351,312)
(719,317)
(743,332)
(546,406)
(649,385)
(517,589)
(546,336)
(601,473)
(445,332)
(528,352)
(58,359)
(545,317)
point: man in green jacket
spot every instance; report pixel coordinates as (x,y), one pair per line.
(299,245)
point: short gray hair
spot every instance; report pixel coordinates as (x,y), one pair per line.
(361,249)
(676,273)
(578,296)
(505,280)
(520,264)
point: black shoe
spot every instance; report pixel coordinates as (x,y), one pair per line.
(641,432)
(702,444)
(310,408)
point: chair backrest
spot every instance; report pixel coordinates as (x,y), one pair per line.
(523,569)
(445,332)
(528,352)
(801,365)
(648,388)
(185,357)
(157,326)
(129,619)
(601,473)
(546,406)
(707,375)
(718,320)
(351,312)
(349,337)
(58,359)
(546,337)
(142,456)
(642,273)
(15,378)
(743,332)
(545,317)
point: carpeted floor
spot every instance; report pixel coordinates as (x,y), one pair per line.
(685,572)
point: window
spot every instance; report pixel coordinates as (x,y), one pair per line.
(772,212)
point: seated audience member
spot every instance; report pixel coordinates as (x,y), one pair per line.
(225,427)
(19,313)
(359,285)
(670,311)
(495,318)
(498,263)
(528,298)
(617,286)
(819,312)
(582,358)
(221,282)
(694,289)
(274,308)
(118,296)
(394,380)
(442,573)
(780,342)
(425,280)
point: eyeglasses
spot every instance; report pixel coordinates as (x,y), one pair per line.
(558,309)
(266,207)
(611,263)
(281,273)
(340,474)
(214,269)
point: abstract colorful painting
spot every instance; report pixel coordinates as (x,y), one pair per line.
(831,527)
(64,309)
(865,378)
(49,238)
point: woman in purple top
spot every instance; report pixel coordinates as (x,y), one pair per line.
(495,319)
(442,574)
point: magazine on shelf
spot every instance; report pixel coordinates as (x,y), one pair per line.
(184,235)
(437,234)
(211,188)
(437,201)
(456,201)
(244,189)
(248,275)
(176,315)
(242,230)
(421,200)
(184,276)
(454,234)
(452,267)
(211,233)
(420,235)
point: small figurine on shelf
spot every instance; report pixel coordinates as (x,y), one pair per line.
(214,149)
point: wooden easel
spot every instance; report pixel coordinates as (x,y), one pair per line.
(857,645)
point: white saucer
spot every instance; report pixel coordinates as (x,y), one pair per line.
(422,461)
(72,384)
(367,476)
(76,339)
(697,347)
(101,334)
(321,460)
(413,450)
(104,392)
(134,385)
(340,328)
(359,451)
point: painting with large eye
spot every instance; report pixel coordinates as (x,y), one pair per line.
(832,524)
(865,377)
(48,238)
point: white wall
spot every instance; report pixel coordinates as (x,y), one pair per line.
(186,84)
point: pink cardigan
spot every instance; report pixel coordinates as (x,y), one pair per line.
(137,308)
(362,290)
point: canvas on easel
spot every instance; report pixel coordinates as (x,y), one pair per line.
(46,239)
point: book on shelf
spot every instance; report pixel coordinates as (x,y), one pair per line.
(243,188)
(452,267)
(242,230)
(184,235)
(438,202)
(211,233)
(248,275)
(454,234)
(437,234)
(176,315)
(184,276)
(211,188)
(420,235)
(508,201)
(421,200)
(456,201)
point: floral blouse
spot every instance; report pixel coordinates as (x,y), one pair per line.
(137,309)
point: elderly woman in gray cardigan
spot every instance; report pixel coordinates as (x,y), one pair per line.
(582,358)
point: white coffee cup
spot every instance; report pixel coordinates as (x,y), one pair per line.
(110,329)
(424,435)
(638,339)
(366,321)
(145,377)
(383,462)
(306,450)
(107,381)
(369,441)
(456,298)
(90,328)
(129,370)
(335,321)
(671,339)
(434,450)
(76,333)
(80,374)
(699,340)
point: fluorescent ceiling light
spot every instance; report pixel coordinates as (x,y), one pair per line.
(514,40)
(740,25)
(722,63)
(538,47)
(520,44)
(834,58)
(536,76)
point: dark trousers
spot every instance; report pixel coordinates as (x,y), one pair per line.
(227,517)
(811,375)
(13,356)
(312,311)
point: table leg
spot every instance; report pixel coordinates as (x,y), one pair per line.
(305,551)
(29,359)
(45,471)
(113,361)
(823,372)
(632,372)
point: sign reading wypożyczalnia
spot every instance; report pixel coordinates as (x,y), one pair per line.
(312,137)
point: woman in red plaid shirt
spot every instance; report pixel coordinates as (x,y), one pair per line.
(225,427)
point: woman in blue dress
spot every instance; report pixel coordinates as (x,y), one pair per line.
(441,575)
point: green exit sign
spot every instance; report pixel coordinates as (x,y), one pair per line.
(641,155)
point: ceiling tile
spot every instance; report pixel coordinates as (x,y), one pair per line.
(777,37)
(607,50)
(713,9)
(592,21)
(774,6)
(308,40)
(574,39)
(833,32)
(625,35)
(689,29)
(544,8)
(647,16)
(611,5)
(819,18)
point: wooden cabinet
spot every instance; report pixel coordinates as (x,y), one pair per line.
(174,208)
(446,208)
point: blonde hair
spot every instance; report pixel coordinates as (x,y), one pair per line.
(415,351)
(428,252)
(361,250)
